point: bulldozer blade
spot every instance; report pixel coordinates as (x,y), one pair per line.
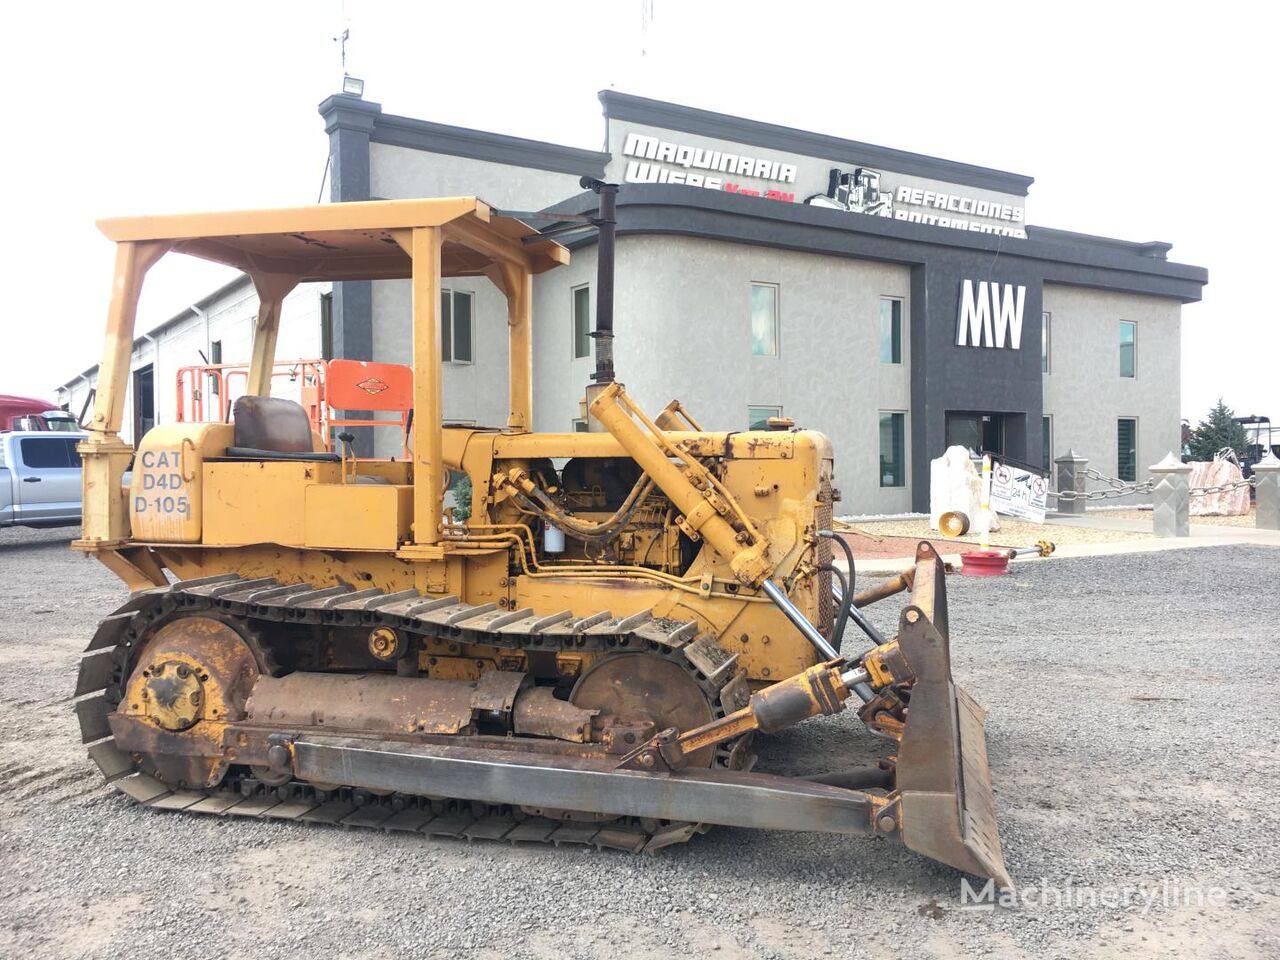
(948,811)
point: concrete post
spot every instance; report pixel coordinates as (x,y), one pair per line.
(1170,498)
(1071,477)
(1267,470)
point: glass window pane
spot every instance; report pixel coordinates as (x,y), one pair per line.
(890,330)
(1127,366)
(1127,449)
(1047,441)
(1044,343)
(581,322)
(462,336)
(46,454)
(446,325)
(764,320)
(758,417)
(892,450)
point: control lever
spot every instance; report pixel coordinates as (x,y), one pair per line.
(346,439)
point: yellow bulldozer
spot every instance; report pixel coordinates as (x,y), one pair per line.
(583,657)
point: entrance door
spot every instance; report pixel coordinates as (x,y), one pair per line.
(144,402)
(979,432)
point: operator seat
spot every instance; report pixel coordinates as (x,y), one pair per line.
(273,428)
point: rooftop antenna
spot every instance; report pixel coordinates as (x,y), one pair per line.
(342,39)
(352,86)
(646,18)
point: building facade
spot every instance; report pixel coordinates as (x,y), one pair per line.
(899,303)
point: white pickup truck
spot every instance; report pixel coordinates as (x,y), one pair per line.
(39,478)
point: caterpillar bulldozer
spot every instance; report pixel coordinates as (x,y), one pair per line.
(584,657)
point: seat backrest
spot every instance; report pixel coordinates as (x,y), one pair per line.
(367,385)
(271,423)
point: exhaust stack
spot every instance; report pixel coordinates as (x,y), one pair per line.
(606,225)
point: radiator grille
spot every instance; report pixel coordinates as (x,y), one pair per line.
(822,519)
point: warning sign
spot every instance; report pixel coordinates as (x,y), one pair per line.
(1018,493)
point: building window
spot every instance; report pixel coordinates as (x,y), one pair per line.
(890,330)
(581,321)
(579,425)
(1044,342)
(764,319)
(758,417)
(893,472)
(456,335)
(1046,432)
(1127,449)
(1128,365)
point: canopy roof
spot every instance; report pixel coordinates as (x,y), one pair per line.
(347,241)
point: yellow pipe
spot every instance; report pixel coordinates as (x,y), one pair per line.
(104,455)
(520,333)
(272,288)
(429,469)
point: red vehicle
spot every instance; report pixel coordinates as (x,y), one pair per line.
(28,413)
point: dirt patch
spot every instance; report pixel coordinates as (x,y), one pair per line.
(1011,533)
(869,547)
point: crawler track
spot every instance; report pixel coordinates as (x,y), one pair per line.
(261,604)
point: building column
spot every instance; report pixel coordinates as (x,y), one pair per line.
(924,436)
(349,121)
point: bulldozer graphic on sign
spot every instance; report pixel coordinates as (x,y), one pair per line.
(857,191)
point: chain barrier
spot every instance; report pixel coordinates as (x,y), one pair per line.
(1121,488)
(1116,488)
(1223,487)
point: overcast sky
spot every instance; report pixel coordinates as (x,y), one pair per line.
(1138,121)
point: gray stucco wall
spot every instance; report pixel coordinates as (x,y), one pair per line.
(682,319)
(1084,392)
(400,172)
(474,392)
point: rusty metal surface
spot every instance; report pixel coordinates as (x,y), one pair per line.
(731,798)
(947,808)
(375,702)
(929,589)
(539,713)
(495,692)
(888,588)
(634,686)
(191,677)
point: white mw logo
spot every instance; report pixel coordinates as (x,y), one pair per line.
(988,305)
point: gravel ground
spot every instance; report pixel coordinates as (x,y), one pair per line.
(1127,749)
(1242,520)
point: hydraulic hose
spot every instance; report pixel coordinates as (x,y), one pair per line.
(846,595)
(837,629)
